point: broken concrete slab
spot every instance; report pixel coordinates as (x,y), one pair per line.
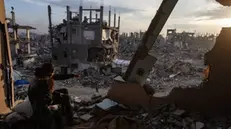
(179,112)
(199,125)
(106,104)
(86,117)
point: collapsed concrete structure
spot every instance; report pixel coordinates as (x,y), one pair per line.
(84,39)
(186,40)
(20,48)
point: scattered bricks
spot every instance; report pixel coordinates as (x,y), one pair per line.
(179,112)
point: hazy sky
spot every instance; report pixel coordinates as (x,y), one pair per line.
(189,15)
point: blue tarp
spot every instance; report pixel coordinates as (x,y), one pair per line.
(20,83)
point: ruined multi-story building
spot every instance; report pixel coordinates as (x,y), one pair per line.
(20,47)
(187,40)
(82,38)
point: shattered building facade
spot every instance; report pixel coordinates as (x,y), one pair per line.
(85,39)
(20,47)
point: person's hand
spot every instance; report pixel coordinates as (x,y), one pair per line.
(53,107)
(77,75)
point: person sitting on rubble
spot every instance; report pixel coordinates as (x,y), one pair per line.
(40,99)
(41,94)
(60,96)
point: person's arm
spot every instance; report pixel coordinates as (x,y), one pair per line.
(63,76)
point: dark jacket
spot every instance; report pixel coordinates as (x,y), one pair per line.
(39,93)
(63,77)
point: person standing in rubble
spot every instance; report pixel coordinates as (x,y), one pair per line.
(41,94)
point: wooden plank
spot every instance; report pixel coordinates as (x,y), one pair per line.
(2,12)
(4,108)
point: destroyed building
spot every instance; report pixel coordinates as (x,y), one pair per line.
(20,47)
(81,39)
(186,40)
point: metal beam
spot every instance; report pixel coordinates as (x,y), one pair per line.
(148,40)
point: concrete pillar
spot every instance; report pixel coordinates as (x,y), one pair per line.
(81,20)
(16,42)
(14,31)
(119,22)
(69,34)
(50,25)
(101,21)
(13,24)
(109,16)
(115,18)
(96,17)
(101,14)
(28,40)
(90,15)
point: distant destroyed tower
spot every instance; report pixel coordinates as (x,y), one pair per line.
(186,40)
(83,39)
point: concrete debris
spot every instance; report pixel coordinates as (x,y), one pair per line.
(86,117)
(179,112)
(176,63)
(93,78)
(76,99)
(199,125)
(20,93)
(106,104)
(90,77)
(164,116)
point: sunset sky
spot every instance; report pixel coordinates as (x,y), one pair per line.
(189,15)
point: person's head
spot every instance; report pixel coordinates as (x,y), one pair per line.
(39,72)
(48,69)
(44,73)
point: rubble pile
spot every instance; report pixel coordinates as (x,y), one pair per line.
(176,66)
(172,71)
(93,78)
(127,47)
(90,77)
(20,93)
(105,113)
